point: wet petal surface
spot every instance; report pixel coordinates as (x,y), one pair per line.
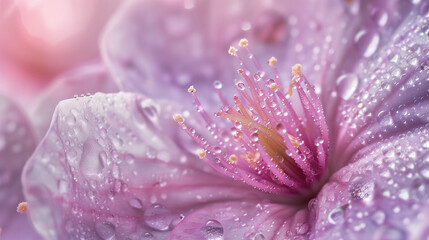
(243,220)
(82,81)
(112,165)
(16,145)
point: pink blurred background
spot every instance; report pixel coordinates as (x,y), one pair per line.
(39,39)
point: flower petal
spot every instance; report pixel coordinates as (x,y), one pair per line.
(16,145)
(114,165)
(244,220)
(393,95)
(81,81)
(180,43)
(383,194)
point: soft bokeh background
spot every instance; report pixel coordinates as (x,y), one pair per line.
(39,39)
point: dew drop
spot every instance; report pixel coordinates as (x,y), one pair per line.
(367,42)
(381,17)
(259,236)
(158,217)
(217,84)
(91,163)
(241,86)
(136,203)
(213,230)
(149,109)
(346,85)
(336,216)
(105,230)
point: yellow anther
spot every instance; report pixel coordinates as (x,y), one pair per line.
(202,153)
(240,71)
(243,42)
(275,87)
(361,105)
(233,51)
(296,70)
(272,61)
(22,207)
(233,159)
(178,118)
(191,89)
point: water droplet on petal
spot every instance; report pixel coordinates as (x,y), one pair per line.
(149,109)
(336,216)
(213,230)
(136,203)
(367,42)
(158,217)
(346,85)
(105,230)
(91,163)
(259,236)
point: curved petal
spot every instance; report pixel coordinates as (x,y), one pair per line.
(383,194)
(393,95)
(181,43)
(16,145)
(114,165)
(81,81)
(244,220)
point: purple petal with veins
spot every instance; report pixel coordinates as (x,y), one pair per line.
(336,150)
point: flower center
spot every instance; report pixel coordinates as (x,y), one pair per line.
(279,146)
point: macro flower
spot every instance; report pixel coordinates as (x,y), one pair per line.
(334,148)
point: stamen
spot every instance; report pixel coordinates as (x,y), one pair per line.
(277,147)
(191,89)
(243,42)
(22,207)
(272,61)
(178,118)
(233,51)
(296,70)
(202,153)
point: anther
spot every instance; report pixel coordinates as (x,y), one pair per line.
(243,42)
(233,51)
(272,61)
(233,159)
(296,70)
(240,71)
(191,89)
(202,153)
(178,118)
(275,86)
(22,207)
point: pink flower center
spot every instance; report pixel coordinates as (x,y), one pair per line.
(280,143)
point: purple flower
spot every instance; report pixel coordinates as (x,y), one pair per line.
(350,162)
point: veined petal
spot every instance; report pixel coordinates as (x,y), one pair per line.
(382,194)
(81,81)
(244,220)
(16,145)
(113,165)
